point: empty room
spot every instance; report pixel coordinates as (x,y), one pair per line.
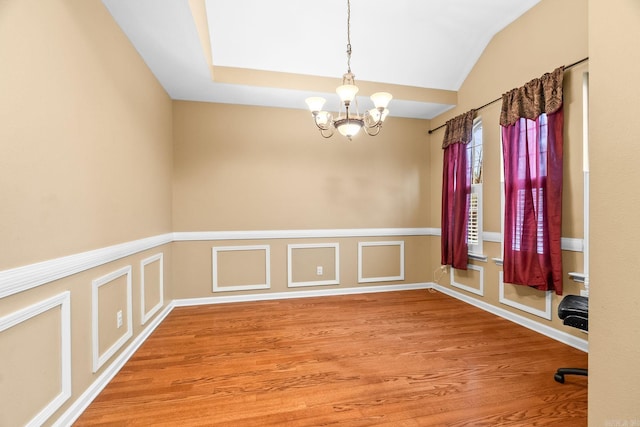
(353,212)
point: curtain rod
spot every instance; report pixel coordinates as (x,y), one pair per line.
(496,100)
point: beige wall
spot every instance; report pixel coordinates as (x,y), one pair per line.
(86,139)
(90,139)
(85,135)
(614,390)
(253,168)
(510,60)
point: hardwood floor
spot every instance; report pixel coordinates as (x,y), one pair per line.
(410,358)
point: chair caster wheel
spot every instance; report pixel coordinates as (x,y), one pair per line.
(559,378)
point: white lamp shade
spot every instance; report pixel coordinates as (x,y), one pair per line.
(323,118)
(375,114)
(315,103)
(349,129)
(381,99)
(347,92)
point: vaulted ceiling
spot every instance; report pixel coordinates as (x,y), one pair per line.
(277,53)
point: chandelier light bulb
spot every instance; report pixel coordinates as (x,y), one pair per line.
(349,128)
(323,118)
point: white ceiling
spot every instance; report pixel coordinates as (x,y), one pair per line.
(430,44)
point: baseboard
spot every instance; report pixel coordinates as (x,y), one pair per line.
(85,399)
(548,331)
(298,294)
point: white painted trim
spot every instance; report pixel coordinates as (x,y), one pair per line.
(362,279)
(336,264)
(479,292)
(80,404)
(299,294)
(585,166)
(302,234)
(567,243)
(64,301)
(546,314)
(145,316)
(267,268)
(84,400)
(100,359)
(548,331)
(30,276)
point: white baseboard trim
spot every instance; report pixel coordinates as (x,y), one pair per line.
(548,331)
(85,399)
(298,294)
(30,276)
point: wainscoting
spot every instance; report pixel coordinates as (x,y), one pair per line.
(90,312)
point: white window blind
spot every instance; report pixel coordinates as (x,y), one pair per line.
(472,225)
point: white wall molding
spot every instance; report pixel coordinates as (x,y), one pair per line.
(476,291)
(336,264)
(267,268)
(78,407)
(101,359)
(548,331)
(567,243)
(84,400)
(546,314)
(64,301)
(302,234)
(30,276)
(146,315)
(361,245)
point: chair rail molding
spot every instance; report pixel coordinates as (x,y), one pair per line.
(30,276)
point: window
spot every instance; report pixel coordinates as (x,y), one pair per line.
(531,166)
(474,166)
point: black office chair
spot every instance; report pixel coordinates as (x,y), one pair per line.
(574,311)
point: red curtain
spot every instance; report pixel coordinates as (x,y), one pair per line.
(456,187)
(532,150)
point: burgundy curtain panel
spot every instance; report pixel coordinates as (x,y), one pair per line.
(532,123)
(456,187)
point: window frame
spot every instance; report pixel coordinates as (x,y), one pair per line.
(476,249)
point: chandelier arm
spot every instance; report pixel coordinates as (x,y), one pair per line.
(371,133)
(329,135)
(378,123)
(320,126)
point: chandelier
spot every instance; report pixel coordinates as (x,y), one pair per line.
(349,121)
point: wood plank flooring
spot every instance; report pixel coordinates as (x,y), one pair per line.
(410,358)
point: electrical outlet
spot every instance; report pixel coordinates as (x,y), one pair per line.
(119,318)
(319,270)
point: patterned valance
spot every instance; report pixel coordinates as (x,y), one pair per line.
(543,95)
(459,129)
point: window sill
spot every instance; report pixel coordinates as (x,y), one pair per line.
(478,257)
(498,261)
